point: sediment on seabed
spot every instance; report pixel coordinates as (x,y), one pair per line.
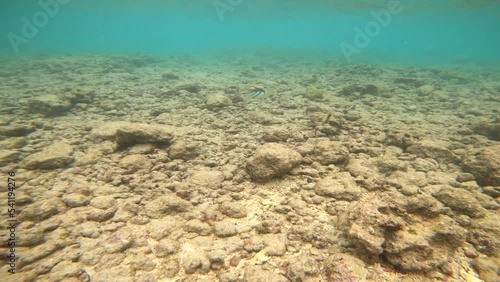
(136,168)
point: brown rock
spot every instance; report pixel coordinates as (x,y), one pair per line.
(256,273)
(183,150)
(118,241)
(42,210)
(207,178)
(140,133)
(234,210)
(340,189)
(197,226)
(16,130)
(344,267)
(487,269)
(133,163)
(272,160)
(166,205)
(218,101)
(57,155)
(488,129)
(330,152)
(484,164)
(460,200)
(8,156)
(191,87)
(49,105)
(225,228)
(437,150)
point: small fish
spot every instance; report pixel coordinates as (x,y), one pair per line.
(257,90)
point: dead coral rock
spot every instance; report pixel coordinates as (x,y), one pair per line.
(225,228)
(399,139)
(16,130)
(329,152)
(272,160)
(438,150)
(367,176)
(169,75)
(487,268)
(183,150)
(425,205)
(65,271)
(411,242)
(276,134)
(191,87)
(218,101)
(342,187)
(107,131)
(257,273)
(165,247)
(166,205)
(367,228)
(12,143)
(484,164)
(302,266)
(8,156)
(140,133)
(424,246)
(370,89)
(75,199)
(491,191)
(196,262)
(488,129)
(344,267)
(41,210)
(460,200)
(275,244)
(234,210)
(49,105)
(57,155)
(401,179)
(485,234)
(136,162)
(327,123)
(118,241)
(206,178)
(197,226)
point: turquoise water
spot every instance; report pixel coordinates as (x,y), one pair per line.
(420,33)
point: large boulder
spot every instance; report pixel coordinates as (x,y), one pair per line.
(8,156)
(484,164)
(57,155)
(438,150)
(107,130)
(141,133)
(488,129)
(218,101)
(16,130)
(272,160)
(325,151)
(412,238)
(49,105)
(460,201)
(342,187)
(184,150)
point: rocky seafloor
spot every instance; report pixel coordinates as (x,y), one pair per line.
(135,168)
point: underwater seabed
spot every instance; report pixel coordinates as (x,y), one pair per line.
(141,168)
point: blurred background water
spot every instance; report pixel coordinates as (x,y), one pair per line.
(423,33)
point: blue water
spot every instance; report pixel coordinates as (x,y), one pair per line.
(437,32)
